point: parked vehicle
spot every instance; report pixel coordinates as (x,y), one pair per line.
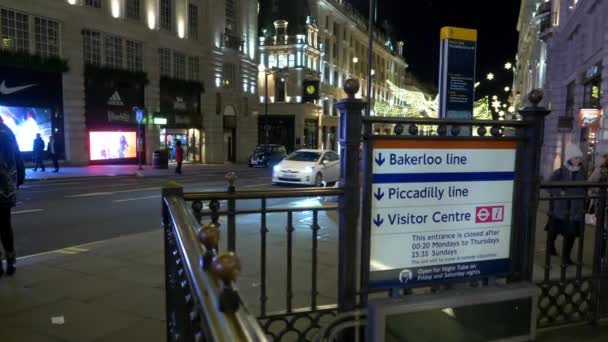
(308,167)
(267,155)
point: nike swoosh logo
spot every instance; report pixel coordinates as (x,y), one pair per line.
(4,90)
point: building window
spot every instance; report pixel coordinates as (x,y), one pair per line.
(92,47)
(279,90)
(231,16)
(193,21)
(292,60)
(135,56)
(47,37)
(15,31)
(229,76)
(272,61)
(165,15)
(113,51)
(133,9)
(194,68)
(282,60)
(93,3)
(164,61)
(179,65)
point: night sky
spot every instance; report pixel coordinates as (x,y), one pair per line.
(418,23)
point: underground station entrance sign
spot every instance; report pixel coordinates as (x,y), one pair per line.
(441,210)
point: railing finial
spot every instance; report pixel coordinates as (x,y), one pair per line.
(209,236)
(535,96)
(231,177)
(227,268)
(351,87)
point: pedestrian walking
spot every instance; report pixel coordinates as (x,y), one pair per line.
(38,152)
(179,157)
(566,216)
(12,174)
(52,151)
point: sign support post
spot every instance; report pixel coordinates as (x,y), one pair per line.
(139,116)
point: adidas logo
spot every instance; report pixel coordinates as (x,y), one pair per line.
(115,100)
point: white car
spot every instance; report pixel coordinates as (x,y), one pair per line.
(309,167)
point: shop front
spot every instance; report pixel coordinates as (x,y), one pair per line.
(112,127)
(31,103)
(180,106)
(591,111)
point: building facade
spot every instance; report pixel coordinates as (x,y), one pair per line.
(188,65)
(564,51)
(307,50)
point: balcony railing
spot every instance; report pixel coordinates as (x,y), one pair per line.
(233,42)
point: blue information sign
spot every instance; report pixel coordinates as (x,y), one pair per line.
(457,73)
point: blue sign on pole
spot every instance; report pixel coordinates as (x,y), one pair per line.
(139,114)
(457,73)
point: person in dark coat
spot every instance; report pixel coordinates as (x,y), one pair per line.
(179,156)
(567,216)
(52,151)
(38,152)
(12,174)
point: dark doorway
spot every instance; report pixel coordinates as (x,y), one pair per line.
(281,130)
(230,138)
(311,133)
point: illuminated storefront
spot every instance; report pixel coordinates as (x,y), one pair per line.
(31,102)
(180,106)
(112,129)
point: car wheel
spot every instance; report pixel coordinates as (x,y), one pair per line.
(319,180)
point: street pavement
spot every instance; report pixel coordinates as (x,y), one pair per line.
(61,212)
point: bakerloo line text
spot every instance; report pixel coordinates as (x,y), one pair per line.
(437,217)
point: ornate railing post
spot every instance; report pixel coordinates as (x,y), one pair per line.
(600,286)
(527,187)
(231,178)
(173,292)
(350,140)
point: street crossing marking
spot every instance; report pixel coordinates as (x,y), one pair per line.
(136,198)
(27,211)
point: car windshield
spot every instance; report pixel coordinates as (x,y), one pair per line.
(304,156)
(263,149)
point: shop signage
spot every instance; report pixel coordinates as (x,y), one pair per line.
(160,121)
(441,210)
(23,87)
(457,72)
(179,102)
(109,101)
(590,117)
(182,120)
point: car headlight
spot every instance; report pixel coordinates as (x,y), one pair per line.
(307,169)
(277,168)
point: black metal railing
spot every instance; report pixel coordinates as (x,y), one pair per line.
(290,320)
(233,42)
(573,290)
(202,303)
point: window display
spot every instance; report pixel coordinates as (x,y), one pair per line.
(26,122)
(113,145)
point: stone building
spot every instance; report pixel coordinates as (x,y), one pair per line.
(307,49)
(190,65)
(563,50)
